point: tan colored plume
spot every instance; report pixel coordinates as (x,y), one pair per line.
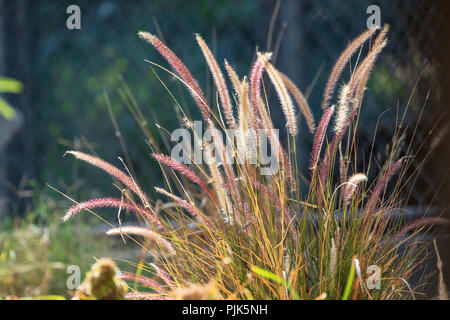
(351,185)
(301,101)
(219,80)
(285,99)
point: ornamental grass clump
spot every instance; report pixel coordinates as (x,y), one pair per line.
(257,234)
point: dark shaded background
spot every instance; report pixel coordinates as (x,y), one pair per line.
(66,73)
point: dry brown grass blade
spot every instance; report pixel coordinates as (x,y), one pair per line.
(443,294)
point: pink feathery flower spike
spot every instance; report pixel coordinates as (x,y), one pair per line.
(189,207)
(147,282)
(184,170)
(319,137)
(146,233)
(255,81)
(113,171)
(219,80)
(428,221)
(326,162)
(163,276)
(351,185)
(181,69)
(255,99)
(340,64)
(381,185)
(143,296)
(146,213)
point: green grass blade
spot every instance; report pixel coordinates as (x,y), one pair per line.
(9,85)
(6,110)
(348,286)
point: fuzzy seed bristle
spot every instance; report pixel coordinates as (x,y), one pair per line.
(138,231)
(146,213)
(113,171)
(351,185)
(285,99)
(301,101)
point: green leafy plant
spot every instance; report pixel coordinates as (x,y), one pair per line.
(8,85)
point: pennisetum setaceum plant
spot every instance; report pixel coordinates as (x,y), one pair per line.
(256,236)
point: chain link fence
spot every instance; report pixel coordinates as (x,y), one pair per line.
(404,76)
(67,72)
